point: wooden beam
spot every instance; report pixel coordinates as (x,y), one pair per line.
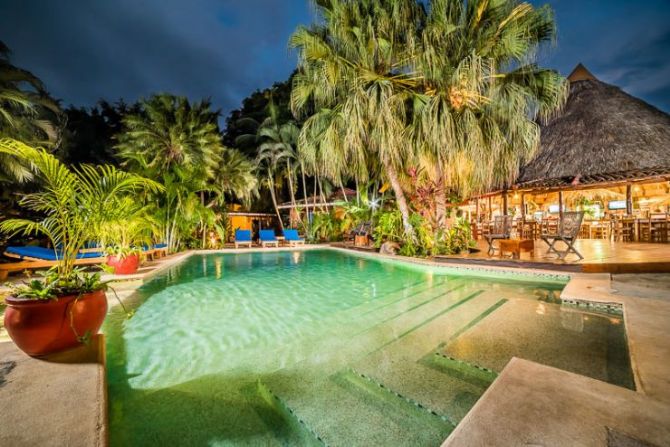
(504,202)
(523,207)
(560,204)
(490,209)
(629,199)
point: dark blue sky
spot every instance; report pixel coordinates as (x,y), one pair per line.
(85,50)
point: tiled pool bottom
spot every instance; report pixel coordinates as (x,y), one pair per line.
(314,347)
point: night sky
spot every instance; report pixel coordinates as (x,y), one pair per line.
(85,50)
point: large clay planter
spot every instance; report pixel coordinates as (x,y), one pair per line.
(40,327)
(124,266)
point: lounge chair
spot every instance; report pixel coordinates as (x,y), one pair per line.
(502,227)
(32,257)
(160,249)
(568,232)
(268,237)
(242,237)
(292,239)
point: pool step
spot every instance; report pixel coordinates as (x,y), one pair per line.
(468,372)
(350,409)
(287,427)
(403,364)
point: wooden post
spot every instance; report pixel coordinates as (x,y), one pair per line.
(523,207)
(504,202)
(629,199)
(477,209)
(490,209)
(560,204)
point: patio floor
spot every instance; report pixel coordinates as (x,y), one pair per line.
(600,256)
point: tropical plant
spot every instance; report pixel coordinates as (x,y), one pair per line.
(27,113)
(180,144)
(74,202)
(453,82)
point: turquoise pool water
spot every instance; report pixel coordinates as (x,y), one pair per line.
(322,347)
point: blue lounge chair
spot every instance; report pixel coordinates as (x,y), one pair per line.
(160,249)
(32,257)
(291,237)
(268,238)
(242,237)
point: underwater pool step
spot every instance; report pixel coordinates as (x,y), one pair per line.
(287,427)
(465,371)
(376,393)
(346,409)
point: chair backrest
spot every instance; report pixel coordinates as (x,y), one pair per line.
(570,224)
(267,235)
(291,235)
(502,225)
(242,235)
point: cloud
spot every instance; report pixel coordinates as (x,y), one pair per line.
(87,50)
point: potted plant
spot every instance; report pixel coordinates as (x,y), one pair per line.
(67,305)
(125,232)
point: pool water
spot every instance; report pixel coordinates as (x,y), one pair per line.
(321,347)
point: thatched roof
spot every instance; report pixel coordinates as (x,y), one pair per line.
(603,135)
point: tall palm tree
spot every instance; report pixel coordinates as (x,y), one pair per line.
(270,158)
(27,113)
(479,92)
(179,143)
(454,80)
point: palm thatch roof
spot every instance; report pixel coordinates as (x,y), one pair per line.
(603,135)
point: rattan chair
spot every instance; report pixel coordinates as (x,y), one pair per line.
(568,233)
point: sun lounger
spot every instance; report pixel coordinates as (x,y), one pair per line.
(242,237)
(160,249)
(291,238)
(39,257)
(268,238)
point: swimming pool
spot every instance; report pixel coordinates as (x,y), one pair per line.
(322,347)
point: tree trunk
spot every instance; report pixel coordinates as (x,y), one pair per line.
(290,189)
(274,201)
(304,190)
(400,200)
(323,198)
(344,193)
(440,200)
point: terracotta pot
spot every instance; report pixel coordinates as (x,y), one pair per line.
(40,327)
(124,266)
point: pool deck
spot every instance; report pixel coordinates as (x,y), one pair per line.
(541,405)
(600,256)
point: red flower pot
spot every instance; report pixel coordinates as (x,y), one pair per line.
(124,266)
(40,327)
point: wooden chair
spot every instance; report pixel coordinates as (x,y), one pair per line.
(568,232)
(502,227)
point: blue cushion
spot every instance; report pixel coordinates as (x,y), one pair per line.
(243,235)
(160,245)
(267,235)
(291,235)
(46,254)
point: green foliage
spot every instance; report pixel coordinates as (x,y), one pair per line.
(27,113)
(75,203)
(456,239)
(325,227)
(52,285)
(179,143)
(427,242)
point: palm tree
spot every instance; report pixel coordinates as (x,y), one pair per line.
(180,144)
(27,113)
(394,79)
(479,92)
(270,158)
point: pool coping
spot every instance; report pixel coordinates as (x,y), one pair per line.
(648,345)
